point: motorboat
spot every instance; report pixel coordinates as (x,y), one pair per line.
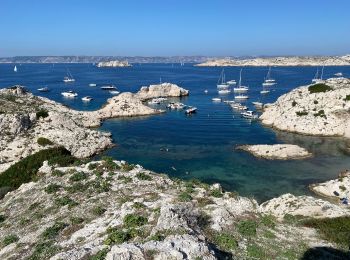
(258,105)
(69,78)
(238,106)
(176,106)
(206,91)
(108,87)
(92,85)
(216,99)
(224,91)
(15,69)
(157,101)
(338,74)
(229,101)
(191,110)
(264,91)
(44,89)
(70,94)
(114,92)
(87,99)
(249,114)
(241,96)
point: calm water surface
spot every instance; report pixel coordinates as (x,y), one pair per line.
(199,146)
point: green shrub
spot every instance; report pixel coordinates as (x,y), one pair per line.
(26,169)
(138,205)
(44,141)
(98,210)
(66,201)
(320,114)
(116,236)
(9,239)
(52,188)
(44,250)
(77,187)
(54,230)
(133,220)
(335,230)
(347,98)
(2,218)
(247,227)
(42,113)
(143,176)
(185,196)
(92,166)
(158,236)
(256,252)
(225,241)
(268,221)
(315,102)
(125,179)
(301,113)
(217,193)
(76,220)
(78,176)
(126,167)
(294,103)
(318,88)
(109,163)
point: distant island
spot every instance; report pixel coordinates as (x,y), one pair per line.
(279,61)
(202,61)
(113,63)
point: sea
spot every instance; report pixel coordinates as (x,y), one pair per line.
(203,145)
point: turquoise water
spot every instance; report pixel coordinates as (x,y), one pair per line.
(202,145)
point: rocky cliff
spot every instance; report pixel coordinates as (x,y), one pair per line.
(113,63)
(318,109)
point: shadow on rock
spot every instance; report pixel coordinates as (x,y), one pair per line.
(323,253)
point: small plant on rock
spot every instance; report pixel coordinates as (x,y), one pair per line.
(44,141)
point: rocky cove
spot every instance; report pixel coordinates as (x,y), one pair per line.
(114,210)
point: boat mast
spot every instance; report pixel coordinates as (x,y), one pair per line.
(240,78)
(322,72)
(316,75)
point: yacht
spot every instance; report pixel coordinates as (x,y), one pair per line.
(87,99)
(108,87)
(15,69)
(264,91)
(69,78)
(249,114)
(69,94)
(238,106)
(191,110)
(114,92)
(92,85)
(240,88)
(229,101)
(216,99)
(224,91)
(241,96)
(44,89)
(157,101)
(231,82)
(268,80)
(222,84)
(176,106)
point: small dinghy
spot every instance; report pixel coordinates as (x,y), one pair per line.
(191,110)
(87,99)
(44,89)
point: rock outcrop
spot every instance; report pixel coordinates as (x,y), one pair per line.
(279,61)
(335,189)
(161,90)
(323,113)
(114,210)
(113,63)
(277,151)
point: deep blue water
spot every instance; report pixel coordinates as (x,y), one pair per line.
(199,146)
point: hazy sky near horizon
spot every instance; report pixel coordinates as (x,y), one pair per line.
(174,27)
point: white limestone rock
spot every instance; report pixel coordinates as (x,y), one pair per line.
(277,151)
(323,114)
(161,90)
(113,63)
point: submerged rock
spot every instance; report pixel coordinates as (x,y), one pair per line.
(277,151)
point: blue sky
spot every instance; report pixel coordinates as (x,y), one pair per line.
(174,27)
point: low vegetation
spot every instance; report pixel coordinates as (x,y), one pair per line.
(301,113)
(347,98)
(319,88)
(44,141)
(42,113)
(320,113)
(26,169)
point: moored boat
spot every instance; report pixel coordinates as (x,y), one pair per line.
(114,92)
(241,96)
(92,85)
(87,99)
(258,105)
(216,99)
(70,94)
(69,78)
(249,114)
(108,87)
(224,91)
(191,110)
(44,89)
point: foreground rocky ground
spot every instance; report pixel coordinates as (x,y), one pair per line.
(24,118)
(113,210)
(319,109)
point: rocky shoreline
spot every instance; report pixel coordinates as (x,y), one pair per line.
(113,64)
(24,118)
(277,151)
(279,61)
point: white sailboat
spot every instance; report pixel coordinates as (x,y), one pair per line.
(69,78)
(317,79)
(222,84)
(240,88)
(15,69)
(268,80)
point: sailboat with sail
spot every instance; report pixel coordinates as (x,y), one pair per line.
(268,80)
(240,88)
(221,84)
(15,69)
(69,78)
